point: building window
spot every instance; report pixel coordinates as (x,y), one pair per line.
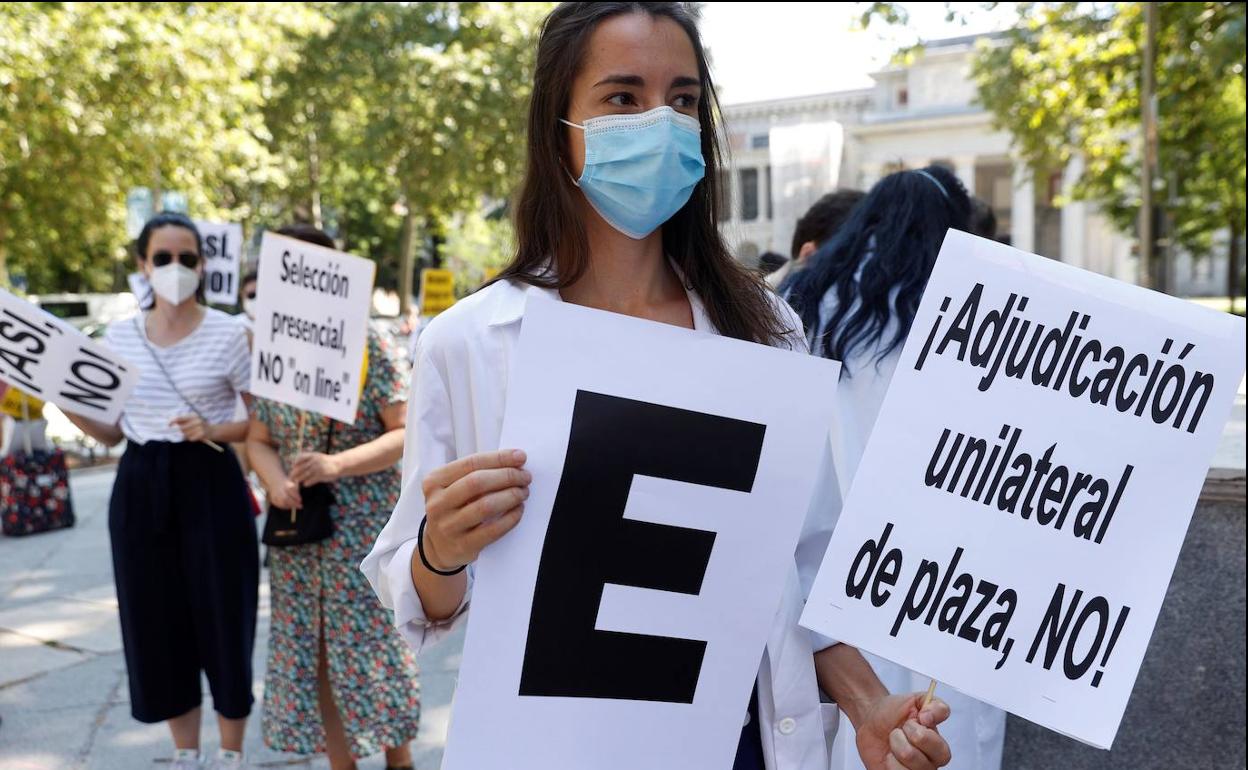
(749,194)
(760,141)
(770,211)
(903,97)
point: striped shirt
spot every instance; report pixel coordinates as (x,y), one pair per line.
(210,367)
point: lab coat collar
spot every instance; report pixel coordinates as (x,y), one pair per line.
(515,295)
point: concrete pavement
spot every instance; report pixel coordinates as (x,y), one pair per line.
(64,701)
(63,694)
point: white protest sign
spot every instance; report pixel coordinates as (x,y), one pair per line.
(223,248)
(620,625)
(51,360)
(140,287)
(311,327)
(1021,502)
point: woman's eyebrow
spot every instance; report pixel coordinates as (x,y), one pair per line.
(680,81)
(621,80)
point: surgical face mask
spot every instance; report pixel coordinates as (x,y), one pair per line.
(174,282)
(249,308)
(640,169)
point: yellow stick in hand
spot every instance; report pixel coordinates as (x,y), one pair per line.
(294,512)
(931,691)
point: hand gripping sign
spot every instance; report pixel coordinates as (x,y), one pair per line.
(621,623)
(1017,513)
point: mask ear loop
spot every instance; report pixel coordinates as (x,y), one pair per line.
(575,183)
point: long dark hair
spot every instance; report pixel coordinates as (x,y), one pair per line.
(301,231)
(168,219)
(894,234)
(546,213)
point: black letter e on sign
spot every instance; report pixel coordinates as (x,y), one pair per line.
(589,543)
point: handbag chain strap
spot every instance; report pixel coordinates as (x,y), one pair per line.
(161,365)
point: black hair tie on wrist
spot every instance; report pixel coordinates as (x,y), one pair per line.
(420,546)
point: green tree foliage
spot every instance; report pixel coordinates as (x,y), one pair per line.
(98,97)
(402,115)
(477,247)
(379,120)
(1066,82)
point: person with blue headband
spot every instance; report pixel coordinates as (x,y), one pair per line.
(857,297)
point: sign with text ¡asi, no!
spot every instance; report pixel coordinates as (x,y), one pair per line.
(1020,505)
(311,326)
(223,249)
(51,360)
(437,290)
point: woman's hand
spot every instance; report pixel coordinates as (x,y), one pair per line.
(284,494)
(193,427)
(899,733)
(471,503)
(315,468)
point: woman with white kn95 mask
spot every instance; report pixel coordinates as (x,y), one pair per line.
(185,556)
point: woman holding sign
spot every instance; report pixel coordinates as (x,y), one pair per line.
(618,212)
(858,298)
(339,679)
(185,556)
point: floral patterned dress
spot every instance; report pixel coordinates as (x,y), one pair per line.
(371,669)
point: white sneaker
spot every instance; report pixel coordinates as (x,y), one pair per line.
(228,760)
(186,759)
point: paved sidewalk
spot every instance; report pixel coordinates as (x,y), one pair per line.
(63,694)
(65,706)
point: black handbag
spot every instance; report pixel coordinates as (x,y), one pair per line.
(309,524)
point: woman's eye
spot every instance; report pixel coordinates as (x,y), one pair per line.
(622,99)
(685,102)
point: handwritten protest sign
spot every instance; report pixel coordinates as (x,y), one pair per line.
(49,359)
(223,248)
(311,327)
(620,625)
(1018,511)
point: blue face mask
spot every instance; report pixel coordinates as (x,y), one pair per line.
(640,169)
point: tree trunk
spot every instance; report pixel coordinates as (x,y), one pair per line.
(1232,264)
(1148,165)
(407,255)
(436,240)
(314,172)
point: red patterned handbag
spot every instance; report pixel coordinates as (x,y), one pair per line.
(34,493)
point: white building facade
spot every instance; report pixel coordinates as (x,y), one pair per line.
(785,153)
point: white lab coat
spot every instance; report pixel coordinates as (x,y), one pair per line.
(456,406)
(975,731)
